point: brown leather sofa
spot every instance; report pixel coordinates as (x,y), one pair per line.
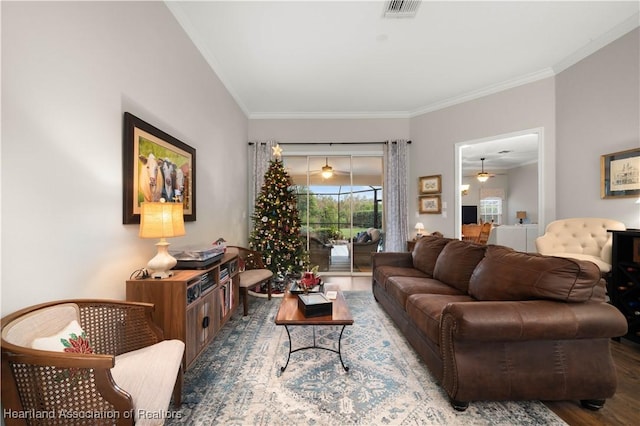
(495,324)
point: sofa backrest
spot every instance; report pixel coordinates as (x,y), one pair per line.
(426,252)
(505,274)
(579,235)
(456,263)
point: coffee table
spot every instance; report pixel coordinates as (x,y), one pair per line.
(289,315)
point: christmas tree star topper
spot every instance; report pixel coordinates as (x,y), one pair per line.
(277,151)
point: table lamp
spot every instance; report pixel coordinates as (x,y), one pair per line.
(161,220)
(420,227)
(521,216)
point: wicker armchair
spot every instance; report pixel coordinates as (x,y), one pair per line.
(252,273)
(127,372)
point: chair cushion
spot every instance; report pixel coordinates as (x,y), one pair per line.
(252,277)
(149,375)
(43,322)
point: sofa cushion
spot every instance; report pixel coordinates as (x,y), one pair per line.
(381,274)
(456,263)
(400,288)
(425,311)
(374,233)
(426,252)
(505,274)
(149,375)
(363,238)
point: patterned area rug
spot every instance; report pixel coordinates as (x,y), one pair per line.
(237,380)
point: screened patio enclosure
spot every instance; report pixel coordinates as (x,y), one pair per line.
(338,207)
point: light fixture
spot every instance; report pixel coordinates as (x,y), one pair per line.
(482,176)
(327,170)
(521,216)
(419,227)
(161,220)
(464,189)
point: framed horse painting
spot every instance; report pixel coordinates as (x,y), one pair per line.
(156,166)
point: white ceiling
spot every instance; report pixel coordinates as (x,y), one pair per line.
(344,59)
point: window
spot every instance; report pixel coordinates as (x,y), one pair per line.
(491,210)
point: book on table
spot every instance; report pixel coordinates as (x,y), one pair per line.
(315,305)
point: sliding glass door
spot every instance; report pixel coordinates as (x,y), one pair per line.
(339,201)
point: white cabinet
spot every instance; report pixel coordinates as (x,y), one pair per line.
(518,237)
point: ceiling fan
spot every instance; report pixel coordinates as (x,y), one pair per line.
(327,171)
(483,176)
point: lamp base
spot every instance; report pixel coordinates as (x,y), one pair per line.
(162,262)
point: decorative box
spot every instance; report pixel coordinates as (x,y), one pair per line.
(314,305)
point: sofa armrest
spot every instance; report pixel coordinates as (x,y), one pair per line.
(530,320)
(400,259)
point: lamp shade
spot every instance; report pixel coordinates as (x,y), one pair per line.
(521,215)
(419,226)
(161,220)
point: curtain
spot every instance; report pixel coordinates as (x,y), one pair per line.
(260,153)
(395,196)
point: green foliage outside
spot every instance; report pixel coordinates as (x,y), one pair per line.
(329,220)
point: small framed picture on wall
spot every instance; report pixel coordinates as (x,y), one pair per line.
(430,184)
(430,204)
(619,174)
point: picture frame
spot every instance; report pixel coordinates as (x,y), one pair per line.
(430,204)
(155,165)
(620,174)
(430,184)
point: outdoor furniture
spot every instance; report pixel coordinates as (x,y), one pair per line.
(319,254)
(364,247)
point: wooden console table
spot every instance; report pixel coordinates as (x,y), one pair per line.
(192,305)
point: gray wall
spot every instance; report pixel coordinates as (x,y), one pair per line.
(69,72)
(435,134)
(598,112)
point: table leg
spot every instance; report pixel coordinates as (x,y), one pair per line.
(290,345)
(291,350)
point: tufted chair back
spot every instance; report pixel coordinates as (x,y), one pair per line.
(583,238)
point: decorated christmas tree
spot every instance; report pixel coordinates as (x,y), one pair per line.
(276,232)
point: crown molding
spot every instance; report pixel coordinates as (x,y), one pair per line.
(176,9)
(489,90)
(328,115)
(594,45)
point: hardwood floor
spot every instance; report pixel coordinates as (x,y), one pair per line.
(620,410)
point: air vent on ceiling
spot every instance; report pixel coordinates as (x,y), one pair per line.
(401,8)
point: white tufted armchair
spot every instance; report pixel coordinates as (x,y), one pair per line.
(583,238)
